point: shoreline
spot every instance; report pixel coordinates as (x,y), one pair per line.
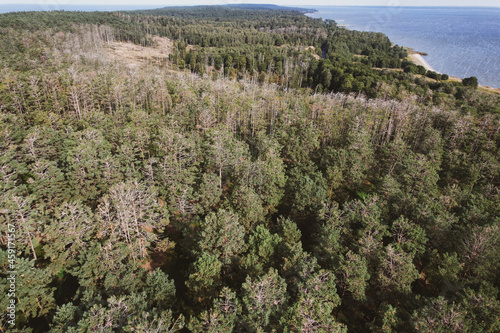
(414,56)
(448,55)
(418,59)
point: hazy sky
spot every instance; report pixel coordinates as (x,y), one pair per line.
(164,3)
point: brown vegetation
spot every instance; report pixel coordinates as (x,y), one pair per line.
(133,55)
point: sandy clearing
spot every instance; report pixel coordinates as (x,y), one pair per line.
(417,59)
(313,49)
(133,55)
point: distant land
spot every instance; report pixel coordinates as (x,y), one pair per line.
(263,7)
(7,8)
(13,7)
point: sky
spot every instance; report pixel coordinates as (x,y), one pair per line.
(302,3)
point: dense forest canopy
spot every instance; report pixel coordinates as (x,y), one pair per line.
(240,169)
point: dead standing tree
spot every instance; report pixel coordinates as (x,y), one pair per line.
(130,213)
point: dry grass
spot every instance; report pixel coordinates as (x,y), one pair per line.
(133,55)
(317,57)
(490,89)
(301,48)
(482,88)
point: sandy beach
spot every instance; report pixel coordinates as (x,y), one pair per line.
(419,60)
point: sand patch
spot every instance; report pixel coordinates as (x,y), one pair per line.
(480,87)
(310,48)
(313,52)
(490,89)
(133,55)
(417,59)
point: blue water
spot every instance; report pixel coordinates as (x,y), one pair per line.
(460,41)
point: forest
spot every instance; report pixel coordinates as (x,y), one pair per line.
(272,173)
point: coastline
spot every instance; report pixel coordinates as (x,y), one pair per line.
(417,59)
(474,54)
(341,14)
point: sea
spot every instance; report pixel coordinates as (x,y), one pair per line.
(459,41)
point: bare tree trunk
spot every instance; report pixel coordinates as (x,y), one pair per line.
(20,205)
(76,103)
